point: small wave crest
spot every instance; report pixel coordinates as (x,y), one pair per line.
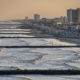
(17,68)
(40,58)
(24,77)
(75,67)
(10,68)
(1,50)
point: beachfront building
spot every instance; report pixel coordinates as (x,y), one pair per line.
(78,14)
(26,18)
(57,20)
(36,17)
(43,19)
(78,27)
(73,15)
(63,19)
(71,28)
(46,20)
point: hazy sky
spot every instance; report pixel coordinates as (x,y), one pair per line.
(18,9)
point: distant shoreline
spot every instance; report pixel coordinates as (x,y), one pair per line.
(69,40)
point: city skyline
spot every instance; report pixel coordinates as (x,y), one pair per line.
(19,9)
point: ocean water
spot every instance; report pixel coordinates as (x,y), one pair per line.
(39,77)
(35,58)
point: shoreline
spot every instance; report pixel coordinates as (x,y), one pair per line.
(61,41)
(65,41)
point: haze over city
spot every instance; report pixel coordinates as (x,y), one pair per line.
(18,9)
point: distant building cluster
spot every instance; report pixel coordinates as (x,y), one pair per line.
(62,19)
(73,16)
(62,25)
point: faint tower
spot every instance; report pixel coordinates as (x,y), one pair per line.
(36,17)
(61,19)
(26,18)
(64,19)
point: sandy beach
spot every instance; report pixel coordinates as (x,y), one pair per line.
(65,41)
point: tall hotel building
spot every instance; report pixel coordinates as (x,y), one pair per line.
(36,17)
(73,15)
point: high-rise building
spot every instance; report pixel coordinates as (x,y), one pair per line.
(36,17)
(69,15)
(78,14)
(73,15)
